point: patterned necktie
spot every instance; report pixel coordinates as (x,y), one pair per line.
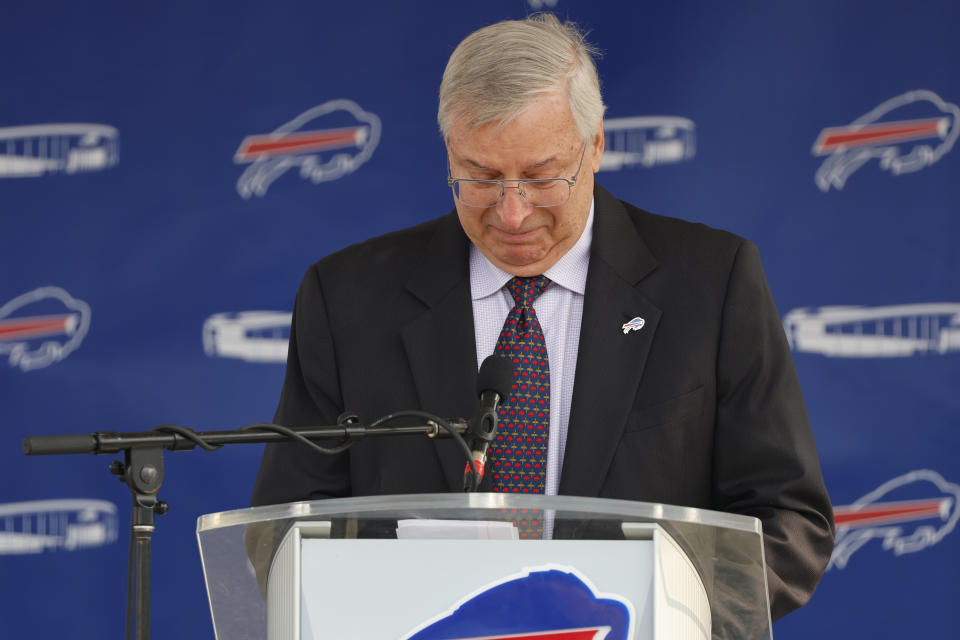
(520,449)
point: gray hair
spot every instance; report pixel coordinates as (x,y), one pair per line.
(499,70)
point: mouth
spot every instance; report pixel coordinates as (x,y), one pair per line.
(515,237)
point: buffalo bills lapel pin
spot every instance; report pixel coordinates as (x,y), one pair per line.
(634,325)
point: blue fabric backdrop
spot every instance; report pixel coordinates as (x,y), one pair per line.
(145,215)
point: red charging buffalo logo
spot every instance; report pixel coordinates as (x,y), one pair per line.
(905,134)
(41,327)
(907,514)
(326,142)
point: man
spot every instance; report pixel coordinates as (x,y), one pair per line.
(667,377)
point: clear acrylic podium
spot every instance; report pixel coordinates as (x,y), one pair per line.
(355,570)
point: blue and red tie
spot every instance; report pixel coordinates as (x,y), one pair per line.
(520,448)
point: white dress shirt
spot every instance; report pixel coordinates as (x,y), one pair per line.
(560,311)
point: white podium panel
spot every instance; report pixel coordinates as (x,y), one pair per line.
(640,588)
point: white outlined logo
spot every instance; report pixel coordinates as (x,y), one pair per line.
(877,516)
(55,327)
(48,525)
(254,336)
(876,332)
(36,150)
(902,143)
(326,142)
(647,141)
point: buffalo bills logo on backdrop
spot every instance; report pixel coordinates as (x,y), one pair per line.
(906,134)
(326,142)
(910,513)
(48,525)
(36,150)
(41,327)
(544,603)
(647,141)
(254,336)
(876,332)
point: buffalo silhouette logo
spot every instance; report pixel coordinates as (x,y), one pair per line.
(325,143)
(41,327)
(907,514)
(545,603)
(905,133)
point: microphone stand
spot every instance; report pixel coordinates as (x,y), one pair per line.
(142,471)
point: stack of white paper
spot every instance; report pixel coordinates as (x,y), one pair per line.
(456,530)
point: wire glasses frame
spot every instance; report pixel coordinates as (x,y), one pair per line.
(538,192)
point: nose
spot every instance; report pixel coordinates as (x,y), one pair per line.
(513,208)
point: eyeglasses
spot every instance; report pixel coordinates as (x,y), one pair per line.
(539,192)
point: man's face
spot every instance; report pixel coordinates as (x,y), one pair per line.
(542,142)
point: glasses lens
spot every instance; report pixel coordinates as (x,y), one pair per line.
(546,193)
(539,193)
(477,194)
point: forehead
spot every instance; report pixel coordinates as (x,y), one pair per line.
(542,131)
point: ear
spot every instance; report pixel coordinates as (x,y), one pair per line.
(596,149)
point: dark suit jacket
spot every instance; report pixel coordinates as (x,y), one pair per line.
(700,408)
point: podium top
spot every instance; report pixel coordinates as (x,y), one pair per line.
(727,549)
(467,504)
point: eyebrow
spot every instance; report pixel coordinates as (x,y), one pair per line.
(536,165)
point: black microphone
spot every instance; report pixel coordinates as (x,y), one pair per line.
(494,383)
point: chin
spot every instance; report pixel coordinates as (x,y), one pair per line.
(524,268)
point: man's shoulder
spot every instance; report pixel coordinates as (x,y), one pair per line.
(668,230)
(390,253)
(676,240)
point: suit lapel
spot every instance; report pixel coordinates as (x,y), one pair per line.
(440,343)
(610,363)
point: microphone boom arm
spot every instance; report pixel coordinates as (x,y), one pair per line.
(143,471)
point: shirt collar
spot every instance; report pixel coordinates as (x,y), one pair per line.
(570,271)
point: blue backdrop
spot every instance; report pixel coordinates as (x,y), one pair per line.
(167,171)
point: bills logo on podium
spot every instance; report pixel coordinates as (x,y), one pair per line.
(545,603)
(907,514)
